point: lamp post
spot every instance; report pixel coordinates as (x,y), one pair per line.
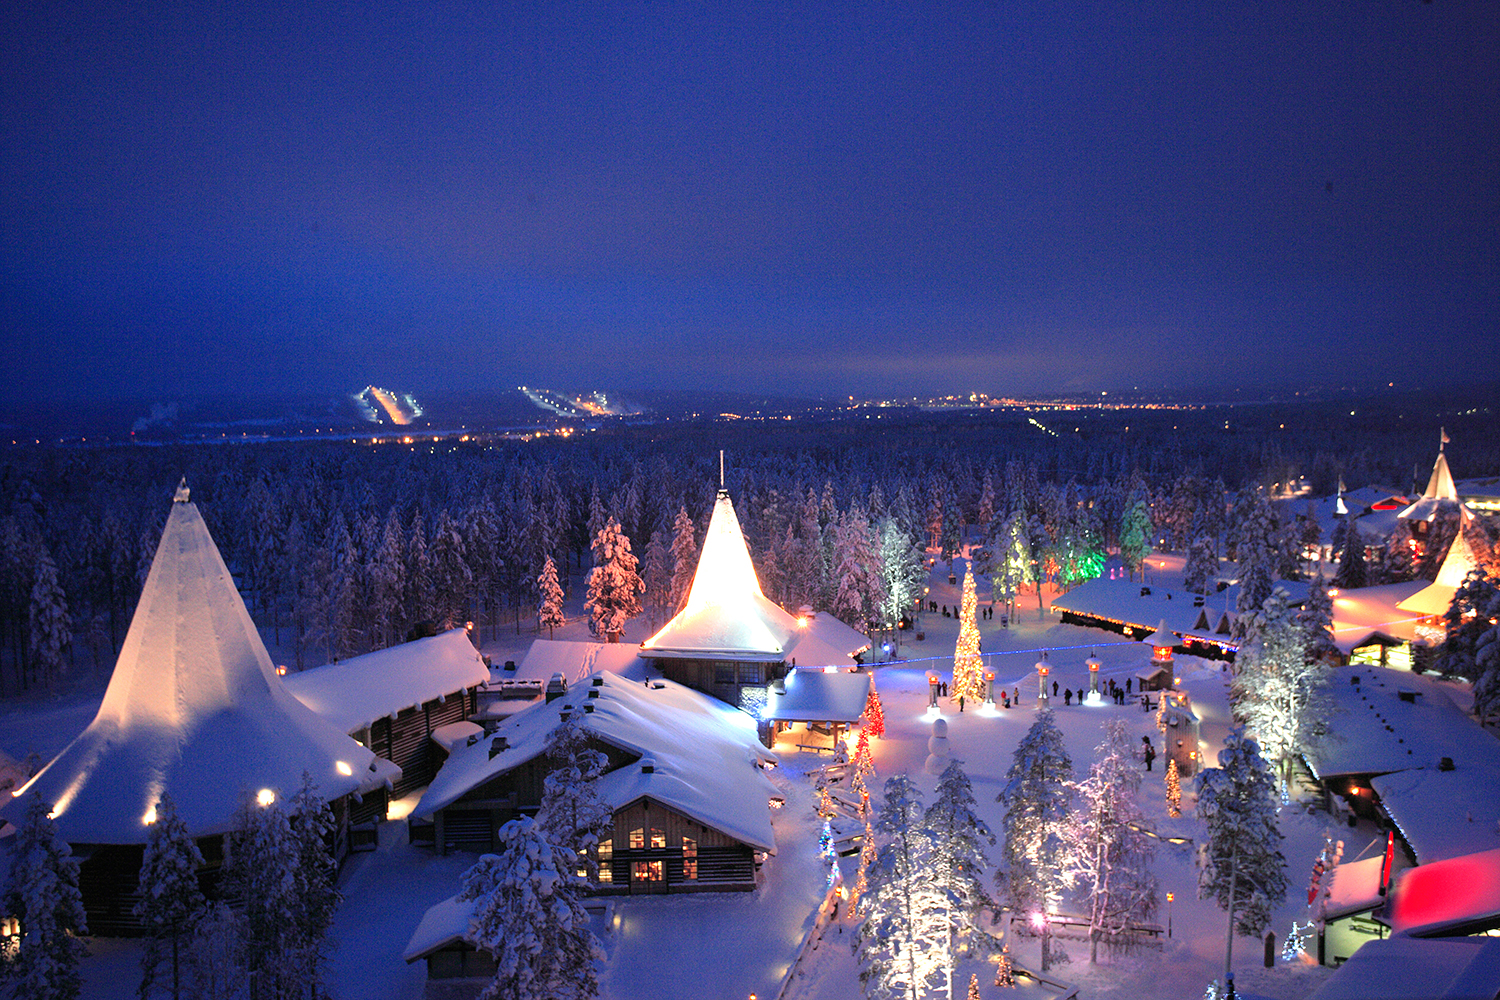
(1169,914)
(1042,670)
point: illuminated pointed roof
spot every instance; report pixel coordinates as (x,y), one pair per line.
(727,616)
(1440,491)
(1434,598)
(194,707)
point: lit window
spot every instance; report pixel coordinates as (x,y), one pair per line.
(606,857)
(637,839)
(658,838)
(647,871)
(689,857)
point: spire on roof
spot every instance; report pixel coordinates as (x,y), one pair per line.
(1440,486)
(182,494)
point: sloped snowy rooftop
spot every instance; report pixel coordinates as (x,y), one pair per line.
(1446,814)
(705,754)
(1355,886)
(816,695)
(1435,598)
(728,617)
(1421,731)
(1448,896)
(576,661)
(443,924)
(355,692)
(194,707)
(1122,602)
(1367,613)
(1401,968)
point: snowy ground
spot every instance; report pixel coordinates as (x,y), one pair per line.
(728,945)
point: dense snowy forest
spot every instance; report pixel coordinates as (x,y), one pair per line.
(347,547)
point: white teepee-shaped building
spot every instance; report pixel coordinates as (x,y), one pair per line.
(194,707)
(730,636)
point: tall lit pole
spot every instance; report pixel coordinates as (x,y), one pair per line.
(1169,914)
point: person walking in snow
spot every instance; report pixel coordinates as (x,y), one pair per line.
(1148,751)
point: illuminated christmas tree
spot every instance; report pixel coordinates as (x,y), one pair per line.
(825,801)
(1174,790)
(974,987)
(864,769)
(1003,974)
(874,714)
(968,665)
(830,855)
(1296,941)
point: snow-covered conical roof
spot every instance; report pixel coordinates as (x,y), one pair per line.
(728,616)
(1435,598)
(1162,637)
(194,707)
(1440,490)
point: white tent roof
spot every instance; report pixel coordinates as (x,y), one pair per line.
(1435,597)
(705,754)
(195,708)
(728,617)
(357,691)
(816,695)
(1440,492)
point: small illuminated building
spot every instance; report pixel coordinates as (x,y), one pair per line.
(1161,673)
(195,708)
(730,640)
(685,777)
(1432,601)
(826,699)
(1182,727)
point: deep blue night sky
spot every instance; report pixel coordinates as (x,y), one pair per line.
(871,198)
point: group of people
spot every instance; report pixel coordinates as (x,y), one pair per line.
(986,613)
(1113,691)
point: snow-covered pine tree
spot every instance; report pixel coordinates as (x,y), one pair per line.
(1279,691)
(684,559)
(572,815)
(614,586)
(49,626)
(902,944)
(215,966)
(1135,536)
(530,918)
(261,856)
(1352,572)
(170,898)
(314,896)
(1037,797)
(1202,566)
(1107,856)
(1472,649)
(1237,803)
(1316,619)
(549,609)
(974,986)
(901,568)
(43,895)
(959,856)
(1004,977)
(656,571)
(388,583)
(968,664)
(859,595)
(421,591)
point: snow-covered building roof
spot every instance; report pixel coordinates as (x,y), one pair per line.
(1137,606)
(706,755)
(818,695)
(444,923)
(576,661)
(1374,614)
(194,707)
(1459,895)
(1440,492)
(1446,814)
(355,692)
(1355,887)
(728,617)
(1394,721)
(1436,596)
(1403,968)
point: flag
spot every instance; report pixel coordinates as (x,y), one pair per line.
(1443,433)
